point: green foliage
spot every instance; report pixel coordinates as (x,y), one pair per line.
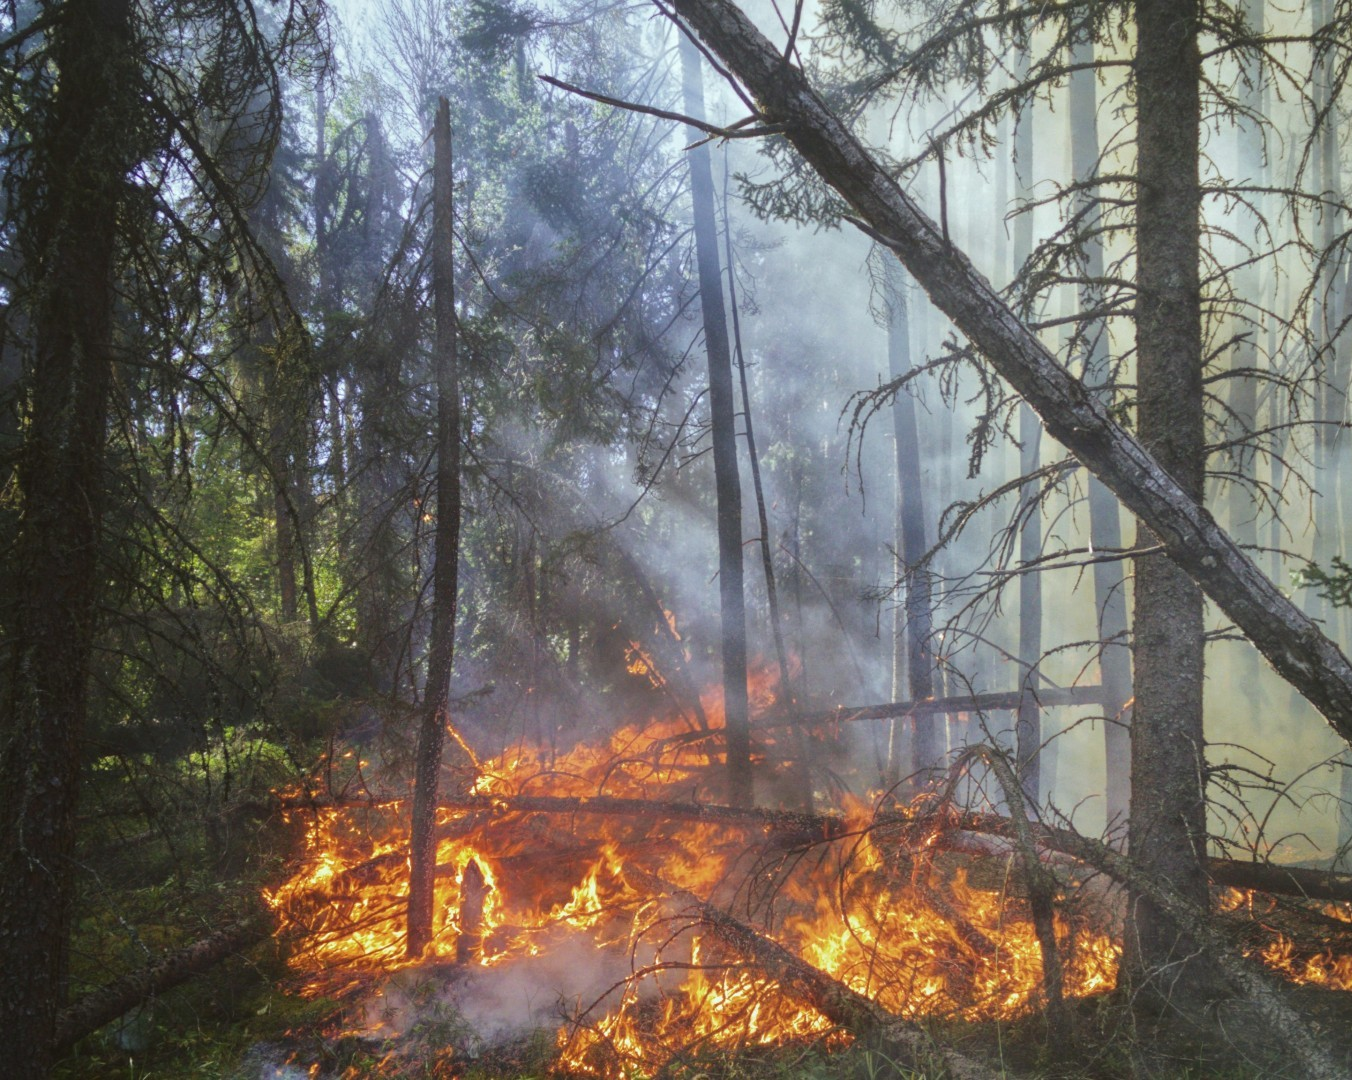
(1333,585)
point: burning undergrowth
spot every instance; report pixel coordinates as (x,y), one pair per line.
(589,892)
(605,895)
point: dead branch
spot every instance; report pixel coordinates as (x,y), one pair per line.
(837,1002)
(113,999)
(782,823)
(1004,700)
(1041,889)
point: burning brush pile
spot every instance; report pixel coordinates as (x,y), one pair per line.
(597,894)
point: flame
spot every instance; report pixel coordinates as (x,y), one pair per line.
(904,927)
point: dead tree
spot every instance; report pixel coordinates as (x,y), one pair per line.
(432,733)
(727,484)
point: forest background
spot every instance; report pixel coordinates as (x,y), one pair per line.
(219,371)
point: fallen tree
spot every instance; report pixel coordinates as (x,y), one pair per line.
(1052,697)
(123,994)
(896,1037)
(1073,414)
(968,832)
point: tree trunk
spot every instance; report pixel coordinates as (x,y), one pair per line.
(1167,825)
(445,570)
(732,603)
(1105,524)
(1243,386)
(922,731)
(71,238)
(1028,723)
(1074,416)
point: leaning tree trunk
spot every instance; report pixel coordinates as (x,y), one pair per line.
(1290,640)
(1105,525)
(70,234)
(728,487)
(1167,825)
(926,749)
(445,570)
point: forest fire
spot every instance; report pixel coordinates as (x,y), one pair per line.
(869,903)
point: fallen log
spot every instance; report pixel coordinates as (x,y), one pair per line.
(1282,880)
(108,1002)
(966,832)
(1074,415)
(896,1037)
(980,703)
(990,835)
(790,822)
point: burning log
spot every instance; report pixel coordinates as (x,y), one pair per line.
(120,996)
(473,893)
(1282,880)
(799,979)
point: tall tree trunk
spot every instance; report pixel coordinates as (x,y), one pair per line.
(1167,830)
(1243,385)
(1105,523)
(922,732)
(445,570)
(732,602)
(71,242)
(1028,721)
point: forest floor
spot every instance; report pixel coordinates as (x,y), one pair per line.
(246,1021)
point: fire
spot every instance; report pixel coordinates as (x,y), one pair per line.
(1325,968)
(881,913)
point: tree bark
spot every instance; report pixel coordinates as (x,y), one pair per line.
(445,571)
(1028,723)
(1167,826)
(732,601)
(1073,415)
(70,237)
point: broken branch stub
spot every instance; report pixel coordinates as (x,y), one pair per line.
(1071,412)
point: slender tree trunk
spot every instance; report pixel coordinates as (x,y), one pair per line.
(732,600)
(1028,721)
(1167,831)
(71,240)
(1105,523)
(922,732)
(1243,386)
(753,460)
(445,570)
